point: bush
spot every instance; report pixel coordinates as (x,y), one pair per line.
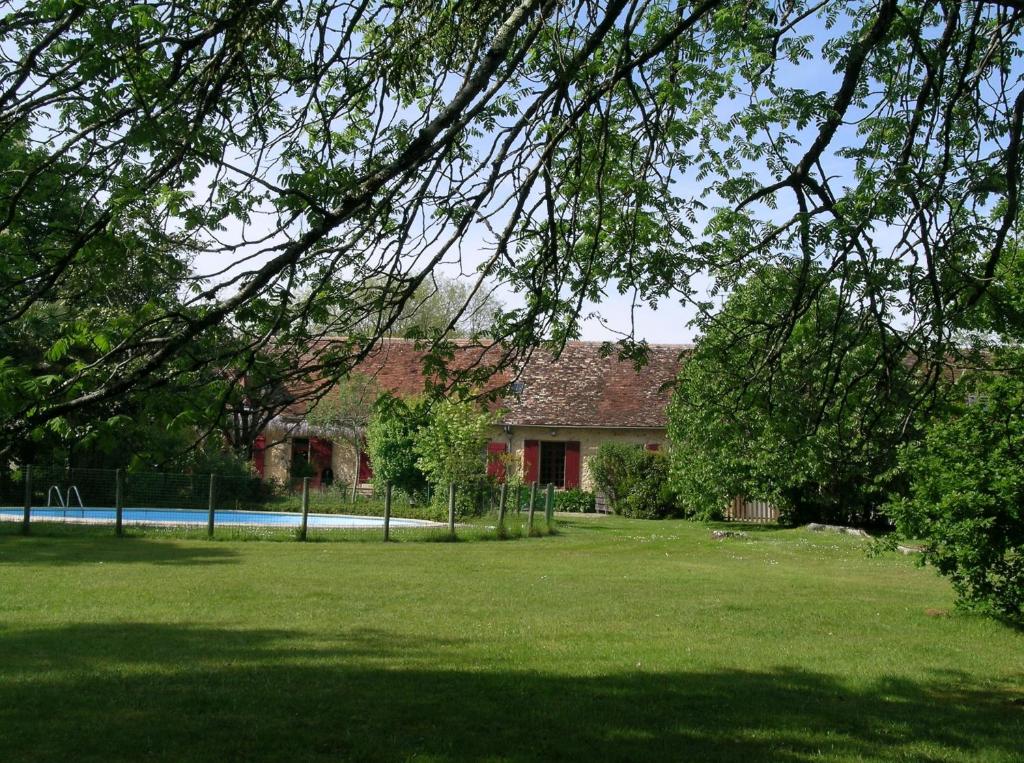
(635,481)
(390,436)
(300,469)
(650,496)
(450,447)
(613,468)
(575,500)
(967,493)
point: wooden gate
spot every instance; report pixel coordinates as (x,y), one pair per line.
(745,510)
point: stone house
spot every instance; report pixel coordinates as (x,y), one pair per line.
(556,412)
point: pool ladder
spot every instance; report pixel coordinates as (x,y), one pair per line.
(64,500)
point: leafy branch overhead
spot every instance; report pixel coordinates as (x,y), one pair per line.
(305,167)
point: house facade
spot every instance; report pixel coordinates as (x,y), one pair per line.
(556,413)
(562,409)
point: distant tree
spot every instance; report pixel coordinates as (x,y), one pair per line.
(449,306)
(451,448)
(442,307)
(809,418)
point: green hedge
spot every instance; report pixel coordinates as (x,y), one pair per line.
(575,500)
(635,481)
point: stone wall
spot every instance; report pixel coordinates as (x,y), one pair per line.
(278,455)
(590,440)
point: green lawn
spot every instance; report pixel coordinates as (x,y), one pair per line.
(614,639)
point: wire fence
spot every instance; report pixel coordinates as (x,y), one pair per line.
(246,505)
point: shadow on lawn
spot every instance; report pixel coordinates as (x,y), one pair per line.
(92,548)
(595,524)
(132,691)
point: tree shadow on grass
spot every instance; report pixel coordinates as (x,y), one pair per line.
(588,525)
(135,691)
(93,548)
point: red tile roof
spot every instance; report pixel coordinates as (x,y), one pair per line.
(397,366)
(578,389)
(582,389)
(394,365)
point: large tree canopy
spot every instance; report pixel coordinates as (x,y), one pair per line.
(816,432)
(318,159)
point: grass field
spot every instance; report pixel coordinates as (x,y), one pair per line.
(615,639)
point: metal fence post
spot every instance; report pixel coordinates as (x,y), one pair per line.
(501,507)
(549,504)
(533,502)
(451,509)
(27,516)
(305,507)
(118,502)
(213,498)
(387,511)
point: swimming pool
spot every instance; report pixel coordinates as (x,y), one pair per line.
(224,517)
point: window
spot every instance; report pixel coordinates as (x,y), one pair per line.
(552,464)
(557,463)
(300,457)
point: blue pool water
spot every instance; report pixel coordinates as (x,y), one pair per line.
(200,517)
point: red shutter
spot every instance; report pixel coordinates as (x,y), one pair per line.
(365,470)
(495,468)
(259,454)
(572,465)
(531,460)
(320,452)
(653,446)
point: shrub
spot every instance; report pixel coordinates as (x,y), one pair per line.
(650,496)
(471,499)
(512,468)
(451,448)
(967,493)
(390,436)
(575,500)
(635,481)
(300,469)
(210,459)
(613,468)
